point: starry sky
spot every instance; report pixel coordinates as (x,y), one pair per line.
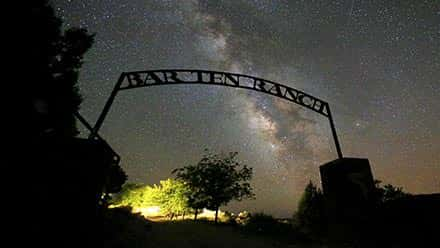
(377,63)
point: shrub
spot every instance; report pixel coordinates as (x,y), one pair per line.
(228,218)
(243,218)
(266,224)
(122,228)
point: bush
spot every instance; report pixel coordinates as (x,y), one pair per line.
(265,224)
(123,216)
(243,218)
(122,228)
(228,218)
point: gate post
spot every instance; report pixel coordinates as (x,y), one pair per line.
(348,188)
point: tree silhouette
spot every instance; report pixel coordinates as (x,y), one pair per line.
(59,166)
(197,199)
(310,214)
(216,180)
(55,58)
(115,179)
(388,192)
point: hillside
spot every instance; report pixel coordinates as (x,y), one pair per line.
(125,229)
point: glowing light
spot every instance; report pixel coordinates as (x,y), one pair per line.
(151,211)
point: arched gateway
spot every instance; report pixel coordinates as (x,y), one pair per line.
(137,79)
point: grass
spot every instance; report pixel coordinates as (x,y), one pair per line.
(201,234)
(122,228)
(132,230)
(126,229)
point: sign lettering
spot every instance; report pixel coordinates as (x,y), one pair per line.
(149,78)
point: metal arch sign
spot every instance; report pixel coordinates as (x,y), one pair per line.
(152,78)
(137,79)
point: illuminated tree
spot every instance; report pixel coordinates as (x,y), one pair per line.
(130,195)
(216,180)
(172,197)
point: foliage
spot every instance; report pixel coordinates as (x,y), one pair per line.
(266,224)
(310,216)
(130,195)
(388,192)
(55,58)
(170,195)
(243,218)
(228,218)
(116,178)
(216,180)
(136,196)
(172,198)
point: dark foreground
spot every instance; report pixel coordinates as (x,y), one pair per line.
(124,229)
(183,234)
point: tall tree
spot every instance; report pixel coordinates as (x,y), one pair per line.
(197,199)
(60,167)
(216,180)
(310,214)
(54,58)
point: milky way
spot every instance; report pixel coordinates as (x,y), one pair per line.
(377,63)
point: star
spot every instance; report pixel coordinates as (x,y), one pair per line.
(376,65)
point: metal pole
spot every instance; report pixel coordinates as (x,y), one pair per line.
(107,105)
(335,136)
(83,121)
(116,158)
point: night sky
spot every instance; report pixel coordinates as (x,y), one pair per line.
(377,63)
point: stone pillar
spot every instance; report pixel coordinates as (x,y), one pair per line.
(348,188)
